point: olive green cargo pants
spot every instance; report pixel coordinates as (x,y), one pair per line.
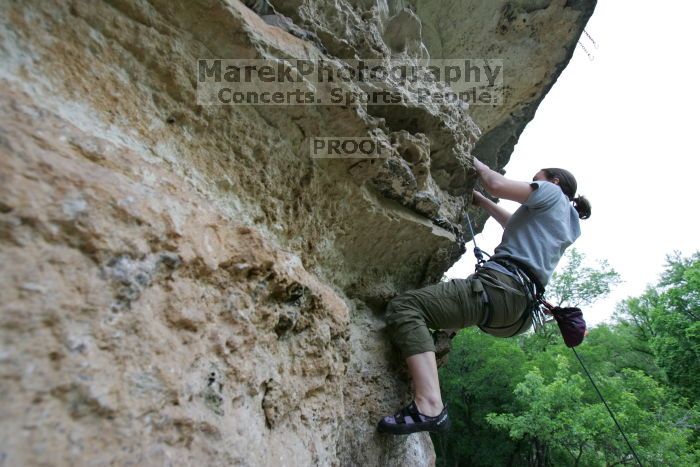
(456,304)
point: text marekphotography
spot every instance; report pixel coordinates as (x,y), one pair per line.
(353,82)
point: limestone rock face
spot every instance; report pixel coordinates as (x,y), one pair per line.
(182,284)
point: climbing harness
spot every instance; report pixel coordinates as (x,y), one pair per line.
(569,319)
(532,289)
(527,287)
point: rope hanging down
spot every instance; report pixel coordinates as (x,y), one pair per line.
(607,407)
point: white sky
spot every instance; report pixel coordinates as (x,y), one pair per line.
(626,125)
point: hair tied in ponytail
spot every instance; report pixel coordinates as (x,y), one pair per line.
(582,206)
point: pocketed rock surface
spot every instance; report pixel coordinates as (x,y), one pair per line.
(183,284)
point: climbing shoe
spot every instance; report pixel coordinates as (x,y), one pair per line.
(409,420)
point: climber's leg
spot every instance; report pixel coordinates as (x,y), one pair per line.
(426,412)
(454,304)
(423,369)
(446,305)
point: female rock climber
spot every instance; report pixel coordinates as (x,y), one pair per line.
(498,297)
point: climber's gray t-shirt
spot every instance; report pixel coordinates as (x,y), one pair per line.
(539,231)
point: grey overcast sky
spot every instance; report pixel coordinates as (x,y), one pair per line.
(626,124)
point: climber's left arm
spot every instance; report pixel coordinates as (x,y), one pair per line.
(501,215)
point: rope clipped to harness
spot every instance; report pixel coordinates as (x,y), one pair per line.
(478,252)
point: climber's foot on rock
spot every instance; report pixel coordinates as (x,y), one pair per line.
(409,420)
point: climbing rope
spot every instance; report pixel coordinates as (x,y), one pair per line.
(607,407)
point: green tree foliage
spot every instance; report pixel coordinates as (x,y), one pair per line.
(564,422)
(609,348)
(578,284)
(667,318)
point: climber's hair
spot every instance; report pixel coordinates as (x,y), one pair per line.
(567,183)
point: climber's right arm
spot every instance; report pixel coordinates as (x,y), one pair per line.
(494,210)
(501,187)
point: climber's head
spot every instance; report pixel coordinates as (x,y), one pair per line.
(567,183)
